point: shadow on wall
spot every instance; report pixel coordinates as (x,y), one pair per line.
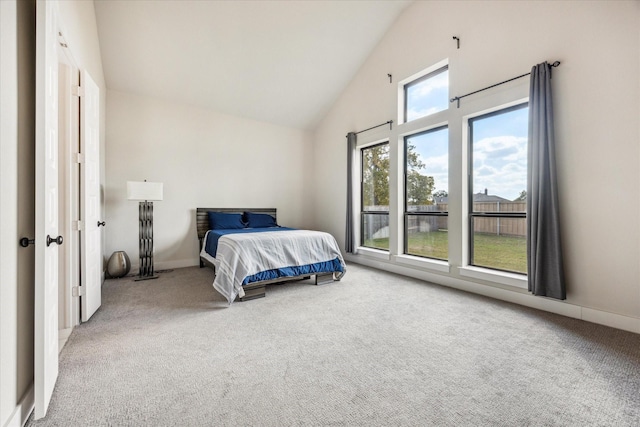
(186,249)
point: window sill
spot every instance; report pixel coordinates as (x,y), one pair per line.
(431,264)
(373,253)
(502,277)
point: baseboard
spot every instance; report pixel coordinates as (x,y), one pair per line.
(614,320)
(516,296)
(180,263)
(23,409)
(167,265)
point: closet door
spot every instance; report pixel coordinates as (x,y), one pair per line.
(47,238)
(90,209)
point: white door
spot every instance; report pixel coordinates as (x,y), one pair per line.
(90,234)
(47,239)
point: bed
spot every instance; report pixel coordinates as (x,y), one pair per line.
(248,250)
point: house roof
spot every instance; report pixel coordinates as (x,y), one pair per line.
(478,198)
(282,62)
(488,198)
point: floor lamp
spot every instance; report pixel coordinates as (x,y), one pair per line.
(146,193)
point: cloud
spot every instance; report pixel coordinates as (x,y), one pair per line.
(436,164)
(500,166)
(425,87)
(438,168)
(428,97)
(413,113)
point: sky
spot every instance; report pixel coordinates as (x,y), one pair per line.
(433,149)
(428,96)
(500,153)
(499,143)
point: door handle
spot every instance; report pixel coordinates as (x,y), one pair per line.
(25,241)
(57,240)
(101,223)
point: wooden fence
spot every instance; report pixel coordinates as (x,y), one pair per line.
(516,227)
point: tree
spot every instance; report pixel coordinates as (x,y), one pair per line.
(522,197)
(375,177)
(419,187)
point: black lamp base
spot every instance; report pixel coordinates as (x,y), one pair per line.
(146,241)
(139,278)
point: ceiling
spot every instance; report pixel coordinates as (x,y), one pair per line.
(281,62)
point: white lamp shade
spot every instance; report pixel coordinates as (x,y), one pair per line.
(149,191)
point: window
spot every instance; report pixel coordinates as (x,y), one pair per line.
(426,193)
(426,95)
(497,187)
(375,197)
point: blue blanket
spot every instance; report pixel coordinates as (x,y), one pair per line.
(298,270)
(214,235)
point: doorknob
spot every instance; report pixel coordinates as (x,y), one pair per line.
(101,223)
(25,241)
(57,240)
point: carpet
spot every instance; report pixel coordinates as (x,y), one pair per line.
(374,349)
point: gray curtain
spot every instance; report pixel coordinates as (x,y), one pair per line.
(351,149)
(544,248)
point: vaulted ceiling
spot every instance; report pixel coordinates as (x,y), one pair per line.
(282,62)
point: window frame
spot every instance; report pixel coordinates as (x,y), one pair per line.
(471,213)
(402,94)
(417,81)
(363,212)
(406,213)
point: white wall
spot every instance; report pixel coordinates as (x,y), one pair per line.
(597,101)
(204,159)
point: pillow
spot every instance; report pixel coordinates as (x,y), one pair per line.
(225,221)
(257,220)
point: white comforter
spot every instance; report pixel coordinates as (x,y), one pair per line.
(242,255)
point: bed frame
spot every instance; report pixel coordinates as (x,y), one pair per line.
(256,289)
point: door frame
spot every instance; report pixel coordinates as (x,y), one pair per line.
(69,185)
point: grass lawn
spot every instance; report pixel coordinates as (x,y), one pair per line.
(501,252)
(433,244)
(492,251)
(377,243)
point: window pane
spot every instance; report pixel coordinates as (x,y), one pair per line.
(499,153)
(375,178)
(427,171)
(375,231)
(500,243)
(427,95)
(427,236)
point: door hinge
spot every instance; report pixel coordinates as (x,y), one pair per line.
(77,91)
(79,158)
(78,225)
(77,291)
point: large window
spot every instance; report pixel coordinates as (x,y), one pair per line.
(497,187)
(375,197)
(426,193)
(426,95)
(488,181)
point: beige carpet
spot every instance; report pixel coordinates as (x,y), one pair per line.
(374,349)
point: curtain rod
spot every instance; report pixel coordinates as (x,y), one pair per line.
(458,98)
(388,122)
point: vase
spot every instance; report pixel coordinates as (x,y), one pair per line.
(119,264)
